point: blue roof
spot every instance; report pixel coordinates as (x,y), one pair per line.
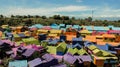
(87,43)
(103,47)
(77,39)
(54,24)
(76,45)
(53,41)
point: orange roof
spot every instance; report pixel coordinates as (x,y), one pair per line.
(70,37)
(101,43)
(70,33)
(90,38)
(0,33)
(98,36)
(108,36)
(99,40)
(113,43)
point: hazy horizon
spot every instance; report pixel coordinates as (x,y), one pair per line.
(107,9)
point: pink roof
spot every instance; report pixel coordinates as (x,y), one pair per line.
(28,46)
(47,28)
(34,28)
(113,31)
(15,51)
(9,42)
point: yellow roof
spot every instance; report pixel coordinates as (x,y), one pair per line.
(19,27)
(85,31)
(4,26)
(52,34)
(41,30)
(55,31)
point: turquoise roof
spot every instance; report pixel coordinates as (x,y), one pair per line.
(37,26)
(22,63)
(67,26)
(63,29)
(101,28)
(61,24)
(76,26)
(116,28)
(110,26)
(88,27)
(55,27)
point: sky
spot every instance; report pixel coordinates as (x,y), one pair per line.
(76,8)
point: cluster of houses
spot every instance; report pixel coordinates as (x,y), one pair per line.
(59,46)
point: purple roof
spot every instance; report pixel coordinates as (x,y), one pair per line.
(28,52)
(58,57)
(34,62)
(78,58)
(69,58)
(13,55)
(1,42)
(48,57)
(84,58)
(117,48)
(23,48)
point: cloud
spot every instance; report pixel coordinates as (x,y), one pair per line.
(72,8)
(69,10)
(107,12)
(43,11)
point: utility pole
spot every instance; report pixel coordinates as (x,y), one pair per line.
(92,14)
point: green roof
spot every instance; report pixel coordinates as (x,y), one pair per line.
(51,49)
(92,47)
(97,52)
(31,41)
(72,51)
(61,47)
(102,53)
(16,35)
(82,51)
(106,54)
(44,44)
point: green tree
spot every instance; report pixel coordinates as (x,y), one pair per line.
(1,16)
(44,17)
